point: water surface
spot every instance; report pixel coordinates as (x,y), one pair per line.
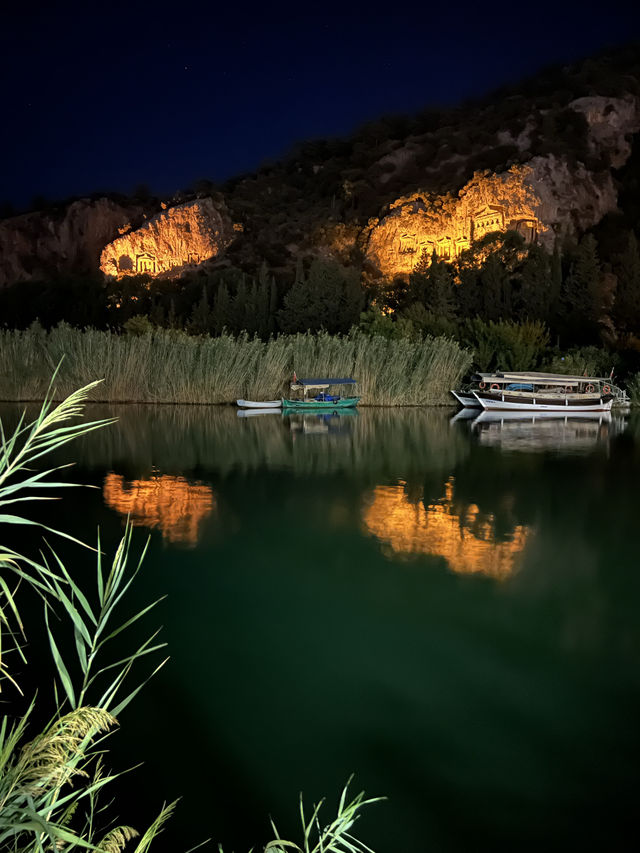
(446,608)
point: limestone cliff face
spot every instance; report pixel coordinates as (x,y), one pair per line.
(545,198)
(571,199)
(178,237)
(612,121)
(42,244)
(449,224)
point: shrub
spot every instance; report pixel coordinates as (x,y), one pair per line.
(504,344)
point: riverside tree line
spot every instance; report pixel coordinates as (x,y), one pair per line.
(515,306)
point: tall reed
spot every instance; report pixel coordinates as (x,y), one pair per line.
(172,367)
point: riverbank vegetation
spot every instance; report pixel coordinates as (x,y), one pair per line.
(512,306)
(169,366)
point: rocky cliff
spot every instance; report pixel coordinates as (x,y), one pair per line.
(44,244)
(549,196)
(545,160)
(178,237)
(448,225)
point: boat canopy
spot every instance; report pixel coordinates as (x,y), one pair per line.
(326,381)
(321,383)
(535,378)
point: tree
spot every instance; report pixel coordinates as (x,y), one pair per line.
(556,280)
(329,298)
(200,320)
(495,282)
(535,285)
(221,309)
(468,293)
(581,296)
(431,284)
(626,310)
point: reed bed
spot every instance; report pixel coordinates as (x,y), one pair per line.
(172,367)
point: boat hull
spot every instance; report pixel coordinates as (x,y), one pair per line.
(467,399)
(565,405)
(320,405)
(264,404)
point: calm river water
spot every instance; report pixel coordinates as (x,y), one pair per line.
(448,609)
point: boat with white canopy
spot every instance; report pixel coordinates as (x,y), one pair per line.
(318,394)
(544,392)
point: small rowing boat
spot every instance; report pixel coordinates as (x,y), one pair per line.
(262,404)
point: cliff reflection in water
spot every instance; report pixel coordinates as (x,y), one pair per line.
(465,538)
(171,504)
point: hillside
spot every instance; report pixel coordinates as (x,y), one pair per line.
(573,127)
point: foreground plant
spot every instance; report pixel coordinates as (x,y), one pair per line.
(335,837)
(49,784)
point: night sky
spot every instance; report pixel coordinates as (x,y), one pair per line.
(100,97)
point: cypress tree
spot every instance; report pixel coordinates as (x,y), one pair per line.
(556,280)
(468,293)
(581,298)
(627,302)
(200,319)
(494,279)
(329,298)
(535,285)
(172,321)
(431,284)
(239,306)
(273,305)
(221,309)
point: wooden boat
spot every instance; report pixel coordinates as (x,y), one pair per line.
(466,398)
(320,398)
(544,392)
(263,404)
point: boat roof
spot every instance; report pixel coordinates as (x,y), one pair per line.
(537,378)
(321,382)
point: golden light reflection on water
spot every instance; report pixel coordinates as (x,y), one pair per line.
(467,541)
(170,504)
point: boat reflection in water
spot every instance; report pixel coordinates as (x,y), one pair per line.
(328,423)
(465,537)
(575,433)
(171,504)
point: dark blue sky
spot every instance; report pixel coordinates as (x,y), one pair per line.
(108,96)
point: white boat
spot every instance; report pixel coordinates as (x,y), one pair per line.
(553,392)
(467,399)
(262,404)
(544,392)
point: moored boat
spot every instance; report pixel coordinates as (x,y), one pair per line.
(263,404)
(466,398)
(320,398)
(544,392)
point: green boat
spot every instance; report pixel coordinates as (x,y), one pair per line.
(315,394)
